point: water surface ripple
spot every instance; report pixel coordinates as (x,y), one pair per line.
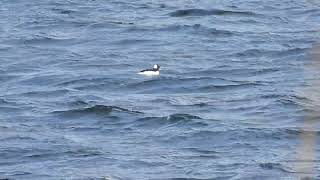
(229,103)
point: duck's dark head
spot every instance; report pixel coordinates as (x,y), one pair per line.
(156,67)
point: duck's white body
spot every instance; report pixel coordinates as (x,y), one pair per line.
(151,72)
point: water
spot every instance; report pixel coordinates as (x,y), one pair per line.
(234,93)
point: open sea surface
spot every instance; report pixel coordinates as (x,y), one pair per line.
(237,97)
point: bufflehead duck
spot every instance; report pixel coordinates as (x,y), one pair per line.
(151,72)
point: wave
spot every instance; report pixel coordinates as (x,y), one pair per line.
(96,109)
(272,53)
(17,138)
(8,78)
(82,81)
(218,177)
(63,11)
(229,86)
(235,72)
(203,12)
(177,80)
(108,24)
(200,29)
(295,101)
(3,101)
(234,135)
(133,42)
(182,119)
(190,85)
(46,94)
(275,166)
(46,40)
(196,29)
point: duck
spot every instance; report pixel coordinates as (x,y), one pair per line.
(155,71)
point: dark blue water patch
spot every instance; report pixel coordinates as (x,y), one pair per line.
(203,12)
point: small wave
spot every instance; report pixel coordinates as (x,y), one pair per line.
(3,101)
(47,94)
(84,152)
(294,100)
(6,78)
(237,134)
(9,110)
(203,12)
(201,151)
(197,28)
(78,103)
(181,117)
(17,173)
(251,53)
(228,87)
(96,109)
(235,72)
(266,52)
(63,11)
(81,81)
(220,177)
(291,52)
(133,41)
(108,24)
(275,166)
(176,81)
(17,138)
(155,122)
(47,41)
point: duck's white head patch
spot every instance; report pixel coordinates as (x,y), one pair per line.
(156,66)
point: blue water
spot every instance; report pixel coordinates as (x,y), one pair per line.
(230,103)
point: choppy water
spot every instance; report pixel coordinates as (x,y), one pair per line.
(230,103)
